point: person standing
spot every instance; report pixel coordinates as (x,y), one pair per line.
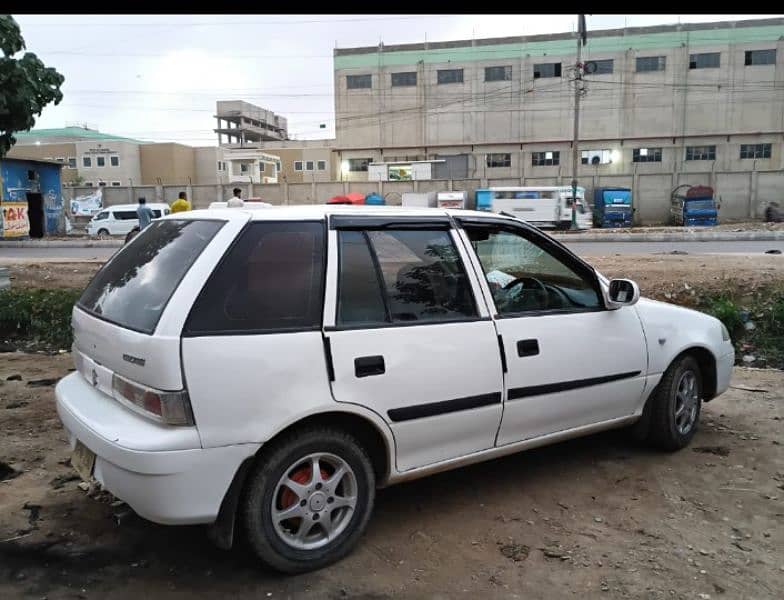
(236,200)
(144,213)
(181,204)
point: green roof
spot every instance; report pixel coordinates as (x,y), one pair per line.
(77,133)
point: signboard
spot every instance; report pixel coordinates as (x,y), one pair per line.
(15,220)
(88,205)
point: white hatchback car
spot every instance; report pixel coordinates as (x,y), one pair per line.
(263,371)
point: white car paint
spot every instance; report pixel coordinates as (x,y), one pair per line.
(246,389)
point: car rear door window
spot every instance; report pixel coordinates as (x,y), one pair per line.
(133,288)
(272,279)
(412,276)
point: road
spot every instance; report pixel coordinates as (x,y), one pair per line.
(11,255)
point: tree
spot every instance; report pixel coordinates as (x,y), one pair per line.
(26,85)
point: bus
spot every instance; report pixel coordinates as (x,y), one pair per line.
(542,206)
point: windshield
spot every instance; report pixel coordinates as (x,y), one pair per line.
(699,204)
(133,288)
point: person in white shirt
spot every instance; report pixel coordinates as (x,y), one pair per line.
(235,201)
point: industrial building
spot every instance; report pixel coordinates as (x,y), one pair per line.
(244,123)
(673,102)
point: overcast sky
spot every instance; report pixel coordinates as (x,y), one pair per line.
(157,77)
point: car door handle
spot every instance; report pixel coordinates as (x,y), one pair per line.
(527,347)
(365,366)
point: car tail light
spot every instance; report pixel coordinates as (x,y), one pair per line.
(172,408)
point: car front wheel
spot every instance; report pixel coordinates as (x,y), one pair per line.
(308,500)
(676,405)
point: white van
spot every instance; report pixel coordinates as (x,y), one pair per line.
(121,218)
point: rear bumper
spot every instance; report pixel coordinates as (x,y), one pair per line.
(160,471)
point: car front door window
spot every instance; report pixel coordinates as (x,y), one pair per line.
(525,278)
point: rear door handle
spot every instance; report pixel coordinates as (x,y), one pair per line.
(527,347)
(365,366)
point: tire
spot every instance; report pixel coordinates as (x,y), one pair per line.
(670,428)
(277,541)
(131,234)
(103,232)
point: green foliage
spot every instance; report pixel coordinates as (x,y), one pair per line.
(726,311)
(43,316)
(26,85)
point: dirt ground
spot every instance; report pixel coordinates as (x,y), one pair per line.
(595,517)
(657,274)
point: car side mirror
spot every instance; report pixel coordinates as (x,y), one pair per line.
(620,293)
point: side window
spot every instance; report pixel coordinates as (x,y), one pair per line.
(272,279)
(523,277)
(102,216)
(401,276)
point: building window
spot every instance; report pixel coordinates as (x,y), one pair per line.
(71,162)
(499,160)
(322,165)
(220,166)
(646,155)
(114,161)
(646,64)
(243,168)
(359,82)
(309,165)
(297,165)
(706,60)
(60,159)
(87,161)
(498,73)
(547,70)
(277,164)
(102,184)
(88,184)
(700,152)
(760,57)
(603,67)
(404,79)
(596,157)
(100,161)
(261,167)
(358,164)
(755,150)
(115,184)
(450,76)
(545,159)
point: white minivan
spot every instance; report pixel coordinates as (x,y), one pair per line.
(264,371)
(121,218)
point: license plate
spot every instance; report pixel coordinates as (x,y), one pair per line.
(83,460)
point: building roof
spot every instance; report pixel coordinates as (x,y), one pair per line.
(603,40)
(33,160)
(76,133)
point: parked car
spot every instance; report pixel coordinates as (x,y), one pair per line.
(264,371)
(121,219)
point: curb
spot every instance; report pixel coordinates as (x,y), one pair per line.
(63,244)
(697,236)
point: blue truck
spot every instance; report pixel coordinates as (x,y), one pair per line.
(694,206)
(612,207)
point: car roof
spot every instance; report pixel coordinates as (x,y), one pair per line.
(132,206)
(310,212)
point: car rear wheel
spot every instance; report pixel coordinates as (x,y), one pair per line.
(675,412)
(308,500)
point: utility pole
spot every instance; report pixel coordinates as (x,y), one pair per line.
(578,89)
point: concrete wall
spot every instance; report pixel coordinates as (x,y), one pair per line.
(128,169)
(171,163)
(742,196)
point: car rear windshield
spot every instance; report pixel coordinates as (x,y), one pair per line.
(133,288)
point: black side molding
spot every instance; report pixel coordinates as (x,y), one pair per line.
(503,353)
(564,386)
(328,358)
(431,409)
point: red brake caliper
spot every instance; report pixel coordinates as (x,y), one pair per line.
(289,498)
